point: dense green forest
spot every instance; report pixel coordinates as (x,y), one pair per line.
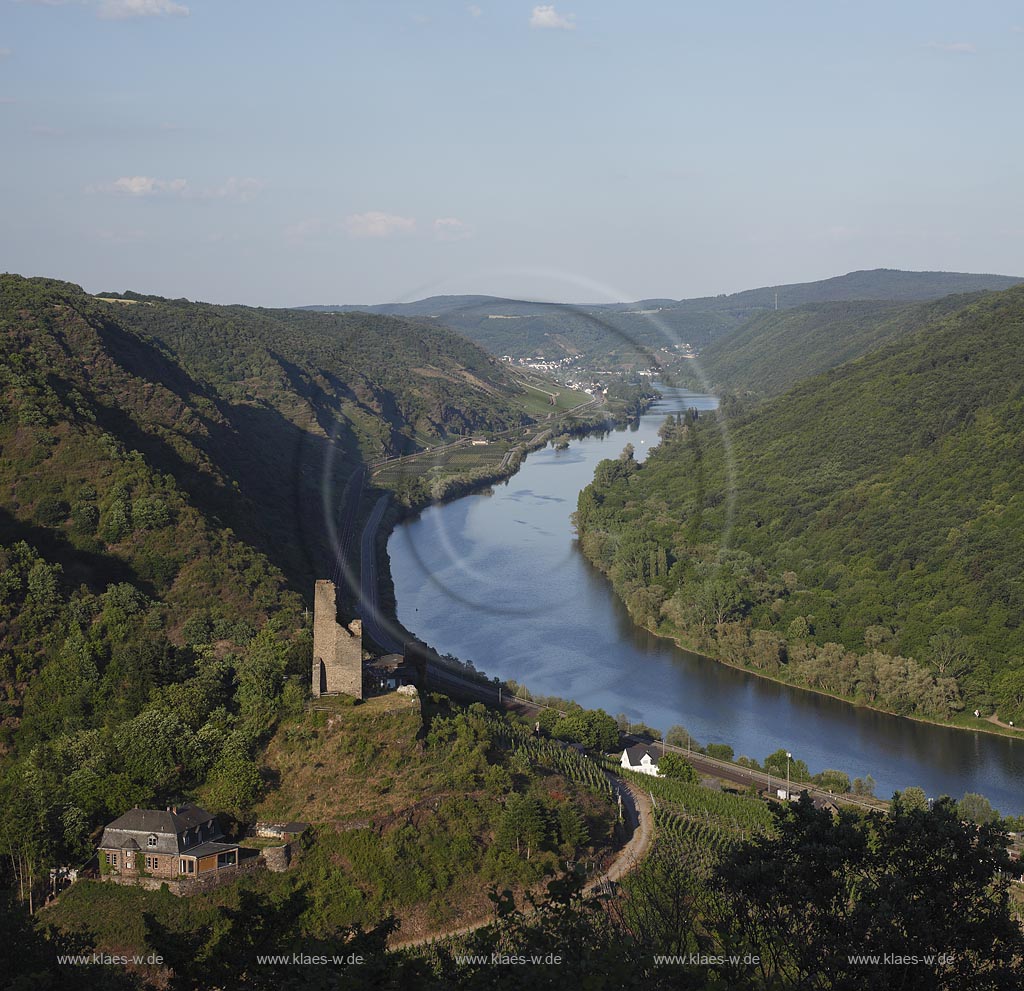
(860,534)
(169,472)
(163,467)
(772,352)
(635,333)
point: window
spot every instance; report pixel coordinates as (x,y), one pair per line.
(112,859)
(151,841)
(187,866)
(152,863)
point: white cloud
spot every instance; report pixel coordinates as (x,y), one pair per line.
(234,188)
(545,16)
(474,10)
(376,224)
(120,10)
(953,47)
(452,229)
(143,185)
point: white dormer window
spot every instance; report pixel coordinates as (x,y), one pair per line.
(151,841)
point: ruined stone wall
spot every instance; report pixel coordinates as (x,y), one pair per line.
(191,885)
(278,857)
(337,649)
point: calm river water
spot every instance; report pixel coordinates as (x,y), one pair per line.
(497,578)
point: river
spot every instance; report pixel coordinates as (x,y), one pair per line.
(497,578)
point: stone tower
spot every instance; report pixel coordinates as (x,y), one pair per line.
(337,649)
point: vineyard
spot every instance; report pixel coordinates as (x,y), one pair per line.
(575,766)
(697,824)
(458,460)
(567,761)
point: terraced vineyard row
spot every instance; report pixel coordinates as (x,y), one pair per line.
(697,832)
(565,760)
(574,765)
(732,812)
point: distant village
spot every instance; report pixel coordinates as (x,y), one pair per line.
(573,374)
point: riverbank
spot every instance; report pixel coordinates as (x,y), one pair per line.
(459,486)
(500,580)
(980,724)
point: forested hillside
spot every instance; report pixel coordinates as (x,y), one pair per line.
(635,333)
(167,472)
(774,351)
(861,534)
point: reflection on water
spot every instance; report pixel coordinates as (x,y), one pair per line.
(499,580)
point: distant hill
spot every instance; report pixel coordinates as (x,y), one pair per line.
(774,350)
(635,333)
(873,546)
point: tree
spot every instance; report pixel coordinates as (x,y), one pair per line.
(522,824)
(864,786)
(594,728)
(835,781)
(911,883)
(913,798)
(673,766)
(680,736)
(776,763)
(976,808)
(948,650)
(235,783)
(572,829)
(1009,693)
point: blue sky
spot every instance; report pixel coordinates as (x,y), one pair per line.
(374,150)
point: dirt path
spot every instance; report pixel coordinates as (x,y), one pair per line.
(636,807)
(638,813)
(998,722)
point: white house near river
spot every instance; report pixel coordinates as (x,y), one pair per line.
(641,757)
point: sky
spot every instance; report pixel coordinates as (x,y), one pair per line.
(366,151)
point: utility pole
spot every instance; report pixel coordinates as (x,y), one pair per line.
(788,757)
(776,299)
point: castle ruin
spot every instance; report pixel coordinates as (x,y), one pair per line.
(337,649)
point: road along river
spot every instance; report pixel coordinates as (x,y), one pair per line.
(497,579)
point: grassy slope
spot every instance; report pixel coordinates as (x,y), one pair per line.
(328,767)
